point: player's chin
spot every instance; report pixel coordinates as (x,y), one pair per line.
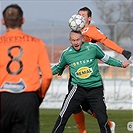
(77,48)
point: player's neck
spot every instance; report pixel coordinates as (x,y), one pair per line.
(10,29)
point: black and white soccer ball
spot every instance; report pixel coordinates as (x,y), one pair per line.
(76,22)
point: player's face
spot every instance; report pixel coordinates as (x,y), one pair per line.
(85,15)
(76,40)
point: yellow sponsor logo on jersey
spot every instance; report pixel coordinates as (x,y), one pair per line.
(74,64)
(84,72)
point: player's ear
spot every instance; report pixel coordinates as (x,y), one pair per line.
(23,20)
(3,22)
(90,18)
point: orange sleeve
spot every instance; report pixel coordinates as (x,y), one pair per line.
(112,45)
(46,71)
(95,34)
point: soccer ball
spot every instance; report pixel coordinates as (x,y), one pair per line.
(76,22)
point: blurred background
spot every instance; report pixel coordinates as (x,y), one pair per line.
(48,20)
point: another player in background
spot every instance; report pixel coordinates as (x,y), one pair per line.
(92,34)
(86,82)
(20,57)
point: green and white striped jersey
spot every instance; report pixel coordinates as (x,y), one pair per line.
(83,64)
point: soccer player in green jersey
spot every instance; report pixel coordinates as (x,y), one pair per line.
(86,82)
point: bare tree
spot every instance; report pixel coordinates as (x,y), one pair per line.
(118,16)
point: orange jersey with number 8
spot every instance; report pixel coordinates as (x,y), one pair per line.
(20,57)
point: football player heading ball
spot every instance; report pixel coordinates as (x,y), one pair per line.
(92,34)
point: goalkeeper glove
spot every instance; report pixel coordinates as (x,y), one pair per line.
(126,54)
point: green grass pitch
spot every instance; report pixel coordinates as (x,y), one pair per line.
(120,117)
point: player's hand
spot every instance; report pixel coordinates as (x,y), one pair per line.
(60,73)
(126,54)
(125,64)
(40,100)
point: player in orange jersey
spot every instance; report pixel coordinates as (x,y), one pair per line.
(20,90)
(93,34)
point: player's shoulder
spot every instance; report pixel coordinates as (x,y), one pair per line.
(67,51)
(31,37)
(93,27)
(96,46)
(36,41)
(89,28)
(92,45)
(96,30)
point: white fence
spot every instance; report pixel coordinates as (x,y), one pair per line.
(118,91)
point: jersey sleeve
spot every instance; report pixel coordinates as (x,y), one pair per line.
(56,69)
(44,64)
(100,37)
(112,45)
(106,58)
